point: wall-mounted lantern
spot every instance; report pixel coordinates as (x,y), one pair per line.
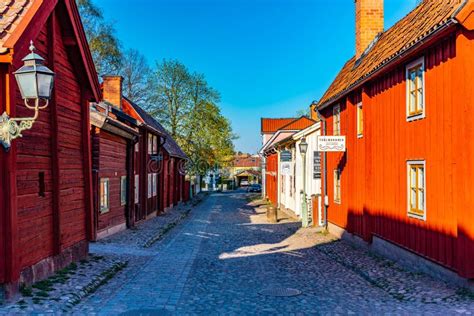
(35,81)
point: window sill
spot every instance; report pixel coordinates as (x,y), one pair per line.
(104,211)
(417,216)
(416,117)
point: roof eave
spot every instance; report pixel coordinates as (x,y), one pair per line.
(390,61)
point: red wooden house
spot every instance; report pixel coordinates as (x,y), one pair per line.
(161,166)
(272,131)
(45,178)
(113,138)
(405,104)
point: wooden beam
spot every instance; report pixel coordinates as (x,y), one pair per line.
(91,228)
(55,163)
(12,259)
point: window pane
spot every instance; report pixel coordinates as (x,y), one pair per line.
(421,178)
(419,100)
(412,78)
(413,177)
(421,200)
(412,101)
(413,199)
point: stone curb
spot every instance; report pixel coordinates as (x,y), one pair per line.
(94,284)
(198,199)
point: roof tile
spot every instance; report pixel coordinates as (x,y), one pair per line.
(427,17)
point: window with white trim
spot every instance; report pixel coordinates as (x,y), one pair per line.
(155,183)
(123,190)
(104,195)
(360,120)
(150,190)
(415,81)
(337,186)
(416,189)
(150,144)
(137,186)
(336,120)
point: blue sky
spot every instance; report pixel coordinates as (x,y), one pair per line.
(268,58)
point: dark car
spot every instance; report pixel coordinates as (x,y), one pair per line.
(254,188)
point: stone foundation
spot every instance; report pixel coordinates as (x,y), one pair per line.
(111,230)
(45,268)
(411,261)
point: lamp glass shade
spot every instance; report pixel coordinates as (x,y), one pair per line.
(34,79)
(45,84)
(303,146)
(27,84)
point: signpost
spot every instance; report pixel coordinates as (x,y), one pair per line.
(331,143)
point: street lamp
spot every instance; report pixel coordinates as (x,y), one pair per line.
(303,149)
(35,81)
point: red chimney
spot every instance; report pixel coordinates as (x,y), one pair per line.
(369,23)
(112,90)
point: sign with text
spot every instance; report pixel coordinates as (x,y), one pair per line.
(285,155)
(331,143)
(316,165)
(285,168)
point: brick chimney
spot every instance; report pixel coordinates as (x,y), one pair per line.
(369,23)
(112,90)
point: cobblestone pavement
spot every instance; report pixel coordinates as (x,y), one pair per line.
(220,258)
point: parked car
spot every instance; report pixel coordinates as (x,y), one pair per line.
(244,183)
(254,188)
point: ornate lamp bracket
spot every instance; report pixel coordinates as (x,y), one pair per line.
(11,128)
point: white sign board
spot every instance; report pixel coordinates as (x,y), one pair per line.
(285,168)
(331,143)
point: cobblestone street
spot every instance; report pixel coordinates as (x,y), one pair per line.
(220,258)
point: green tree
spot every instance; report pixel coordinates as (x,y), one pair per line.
(188,107)
(170,98)
(103,43)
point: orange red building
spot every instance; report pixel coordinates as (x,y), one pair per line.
(404,104)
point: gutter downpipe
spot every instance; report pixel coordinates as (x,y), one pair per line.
(325,182)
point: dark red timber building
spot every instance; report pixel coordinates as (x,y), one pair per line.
(160,170)
(113,138)
(45,177)
(405,104)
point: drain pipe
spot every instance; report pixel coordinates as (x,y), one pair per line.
(324,175)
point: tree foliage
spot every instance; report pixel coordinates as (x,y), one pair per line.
(188,107)
(103,43)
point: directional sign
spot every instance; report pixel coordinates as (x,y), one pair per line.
(331,143)
(316,165)
(285,155)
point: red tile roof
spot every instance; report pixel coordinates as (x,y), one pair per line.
(12,14)
(298,124)
(428,17)
(246,162)
(271,125)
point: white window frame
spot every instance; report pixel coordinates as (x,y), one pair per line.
(360,129)
(150,190)
(336,112)
(409,212)
(340,186)
(422,115)
(137,188)
(104,200)
(155,184)
(123,190)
